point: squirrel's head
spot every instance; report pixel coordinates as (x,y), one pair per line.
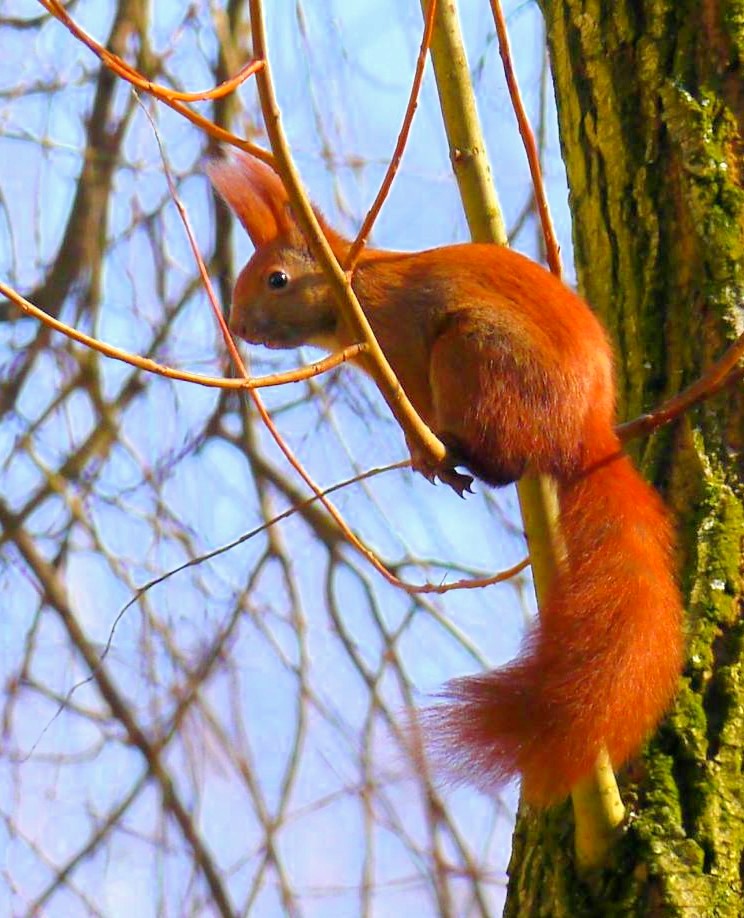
(281,298)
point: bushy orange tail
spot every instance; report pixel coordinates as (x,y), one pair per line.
(601,666)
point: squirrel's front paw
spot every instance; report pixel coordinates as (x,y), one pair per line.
(459,482)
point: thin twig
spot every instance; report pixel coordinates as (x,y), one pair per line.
(151,366)
(528,139)
(394,164)
(165,95)
(133,76)
(725,372)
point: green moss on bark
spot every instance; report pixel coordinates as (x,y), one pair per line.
(651,109)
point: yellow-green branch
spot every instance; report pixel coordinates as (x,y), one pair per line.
(597,805)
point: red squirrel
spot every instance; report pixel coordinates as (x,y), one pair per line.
(508,367)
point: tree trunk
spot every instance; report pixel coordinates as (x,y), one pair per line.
(651,109)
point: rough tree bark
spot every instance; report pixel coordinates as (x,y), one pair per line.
(651,109)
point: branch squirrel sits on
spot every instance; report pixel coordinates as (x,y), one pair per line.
(507,366)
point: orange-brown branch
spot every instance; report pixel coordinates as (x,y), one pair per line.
(528,139)
(152,366)
(373,213)
(170,97)
(725,372)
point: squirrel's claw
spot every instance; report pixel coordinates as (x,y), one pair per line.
(459,482)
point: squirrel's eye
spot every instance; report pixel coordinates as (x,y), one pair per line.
(277,280)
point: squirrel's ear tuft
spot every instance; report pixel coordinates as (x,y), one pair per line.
(257,197)
(255,194)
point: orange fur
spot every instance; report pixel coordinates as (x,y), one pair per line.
(508,367)
(602,665)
